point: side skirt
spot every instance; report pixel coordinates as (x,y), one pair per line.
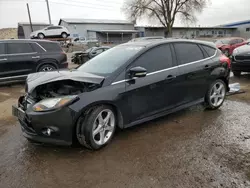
(164,113)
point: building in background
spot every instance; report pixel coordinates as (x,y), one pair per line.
(190,32)
(105,31)
(243,28)
(24,29)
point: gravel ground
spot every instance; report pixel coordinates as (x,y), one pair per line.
(189,149)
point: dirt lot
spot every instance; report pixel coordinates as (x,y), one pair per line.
(189,149)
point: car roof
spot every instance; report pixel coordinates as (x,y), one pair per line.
(151,43)
(26,40)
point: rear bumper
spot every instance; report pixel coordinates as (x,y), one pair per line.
(64,65)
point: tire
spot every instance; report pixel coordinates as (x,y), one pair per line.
(93,131)
(46,67)
(64,35)
(237,73)
(213,95)
(41,36)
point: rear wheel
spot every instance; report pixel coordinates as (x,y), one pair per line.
(97,128)
(216,94)
(64,35)
(46,67)
(41,36)
(237,73)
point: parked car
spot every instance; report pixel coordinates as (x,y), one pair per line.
(241,59)
(147,38)
(129,84)
(83,40)
(51,31)
(81,57)
(227,45)
(18,58)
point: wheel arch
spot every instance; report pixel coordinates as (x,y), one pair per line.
(47,61)
(91,107)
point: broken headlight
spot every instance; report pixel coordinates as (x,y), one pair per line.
(54,103)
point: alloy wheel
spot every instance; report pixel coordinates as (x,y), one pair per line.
(104,126)
(217,94)
(47,69)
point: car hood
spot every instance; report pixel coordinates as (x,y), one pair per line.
(245,49)
(36,79)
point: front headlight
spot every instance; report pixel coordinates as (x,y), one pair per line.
(54,103)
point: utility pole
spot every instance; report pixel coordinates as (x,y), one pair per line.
(28,8)
(47,1)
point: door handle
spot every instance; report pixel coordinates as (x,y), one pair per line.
(3,59)
(207,67)
(35,57)
(170,77)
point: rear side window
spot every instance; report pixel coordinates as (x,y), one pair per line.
(210,51)
(240,40)
(156,59)
(51,46)
(19,48)
(188,52)
(2,48)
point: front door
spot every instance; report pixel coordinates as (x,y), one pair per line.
(157,91)
(193,70)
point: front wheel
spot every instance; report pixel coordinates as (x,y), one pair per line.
(215,95)
(97,128)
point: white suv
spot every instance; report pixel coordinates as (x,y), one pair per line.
(51,31)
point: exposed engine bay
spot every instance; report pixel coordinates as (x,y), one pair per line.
(62,88)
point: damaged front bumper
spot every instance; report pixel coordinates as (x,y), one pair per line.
(53,127)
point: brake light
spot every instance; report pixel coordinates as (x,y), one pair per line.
(225,59)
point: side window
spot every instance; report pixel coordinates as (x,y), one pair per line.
(240,40)
(155,59)
(2,48)
(98,51)
(235,41)
(188,52)
(210,51)
(19,48)
(51,46)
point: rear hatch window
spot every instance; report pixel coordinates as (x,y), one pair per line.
(51,46)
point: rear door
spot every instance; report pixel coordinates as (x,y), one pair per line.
(193,71)
(21,58)
(4,68)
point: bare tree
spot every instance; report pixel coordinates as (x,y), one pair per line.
(165,11)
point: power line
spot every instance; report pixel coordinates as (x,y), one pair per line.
(107,9)
(91,4)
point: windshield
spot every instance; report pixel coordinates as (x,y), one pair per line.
(110,60)
(223,41)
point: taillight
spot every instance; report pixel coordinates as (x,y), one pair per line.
(225,59)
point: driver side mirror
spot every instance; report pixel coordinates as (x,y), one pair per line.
(94,53)
(137,72)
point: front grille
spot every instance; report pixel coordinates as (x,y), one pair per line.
(242,58)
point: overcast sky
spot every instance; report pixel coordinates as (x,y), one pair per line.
(14,11)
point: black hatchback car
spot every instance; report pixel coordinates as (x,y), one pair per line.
(18,58)
(124,86)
